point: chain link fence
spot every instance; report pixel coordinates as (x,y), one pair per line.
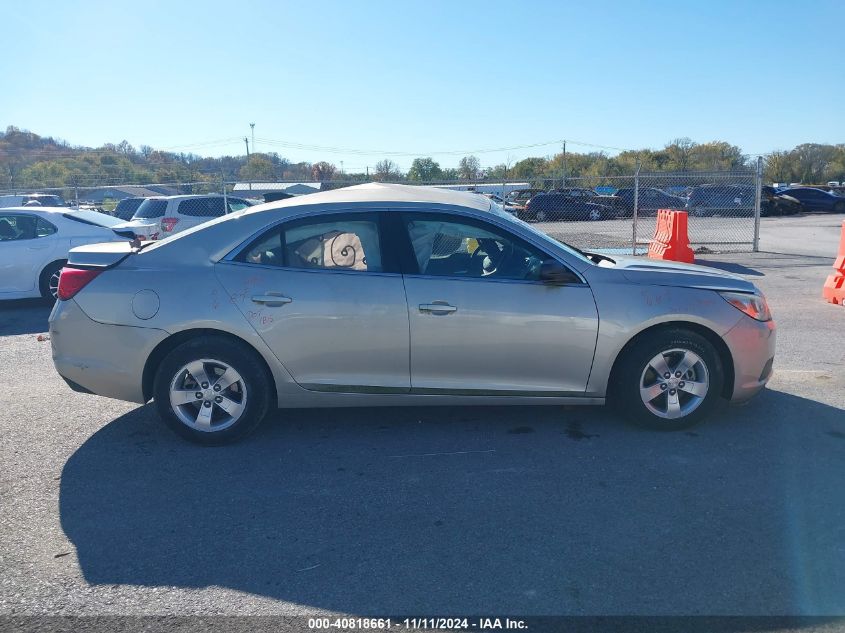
(614,214)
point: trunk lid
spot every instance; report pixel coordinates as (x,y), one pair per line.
(104,255)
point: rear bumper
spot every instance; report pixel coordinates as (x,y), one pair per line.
(93,357)
(752,345)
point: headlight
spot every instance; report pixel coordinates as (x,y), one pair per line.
(754,306)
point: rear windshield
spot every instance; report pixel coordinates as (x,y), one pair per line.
(151,209)
(92,217)
(45,201)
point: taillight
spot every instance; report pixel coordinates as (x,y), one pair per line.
(167,224)
(72,280)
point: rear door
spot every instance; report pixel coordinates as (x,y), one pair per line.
(482,322)
(327,297)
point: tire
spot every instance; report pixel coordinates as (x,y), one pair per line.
(540,215)
(635,370)
(48,281)
(594,215)
(233,412)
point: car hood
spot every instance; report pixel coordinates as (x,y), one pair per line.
(664,273)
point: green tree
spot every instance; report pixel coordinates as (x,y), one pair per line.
(387,170)
(323,171)
(469,167)
(258,167)
(529,168)
(425,170)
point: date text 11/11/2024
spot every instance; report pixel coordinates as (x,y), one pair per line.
(428,623)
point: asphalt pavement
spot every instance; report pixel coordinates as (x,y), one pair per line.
(440,511)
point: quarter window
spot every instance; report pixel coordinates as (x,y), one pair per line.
(43,228)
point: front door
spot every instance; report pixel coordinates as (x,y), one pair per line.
(481,320)
(322,295)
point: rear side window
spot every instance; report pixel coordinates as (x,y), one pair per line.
(17,227)
(202,207)
(340,243)
(151,209)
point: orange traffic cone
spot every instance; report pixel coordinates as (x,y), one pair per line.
(834,288)
(671,237)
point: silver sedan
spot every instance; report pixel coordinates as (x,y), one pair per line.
(389,294)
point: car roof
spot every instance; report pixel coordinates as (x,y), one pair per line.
(185,196)
(37,209)
(382,192)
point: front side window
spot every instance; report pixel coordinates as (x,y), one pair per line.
(457,248)
(341,243)
(17,227)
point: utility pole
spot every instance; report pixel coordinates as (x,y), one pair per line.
(341,168)
(368,173)
(564,163)
(252,127)
(246,142)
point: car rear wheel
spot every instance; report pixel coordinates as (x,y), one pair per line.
(540,215)
(669,380)
(595,215)
(48,283)
(212,390)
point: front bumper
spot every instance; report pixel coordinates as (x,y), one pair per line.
(752,345)
(107,360)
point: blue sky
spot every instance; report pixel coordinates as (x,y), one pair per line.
(425,77)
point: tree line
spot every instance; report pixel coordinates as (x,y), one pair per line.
(30,160)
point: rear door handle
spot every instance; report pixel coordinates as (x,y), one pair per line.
(437,308)
(272,300)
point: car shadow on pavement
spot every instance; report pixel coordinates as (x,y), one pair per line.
(476,510)
(24,316)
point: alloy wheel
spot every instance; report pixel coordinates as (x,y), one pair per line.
(674,383)
(53,284)
(208,395)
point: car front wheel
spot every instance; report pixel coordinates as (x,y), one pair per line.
(212,390)
(668,380)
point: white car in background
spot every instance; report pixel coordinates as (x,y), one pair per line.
(34,244)
(159,217)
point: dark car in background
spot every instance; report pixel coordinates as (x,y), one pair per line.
(519,197)
(649,201)
(813,199)
(588,195)
(552,206)
(723,200)
(774,202)
(127,207)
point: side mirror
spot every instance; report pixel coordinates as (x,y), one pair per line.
(555,273)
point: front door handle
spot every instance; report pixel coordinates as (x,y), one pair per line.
(272,300)
(437,308)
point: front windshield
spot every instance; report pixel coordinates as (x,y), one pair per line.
(499,211)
